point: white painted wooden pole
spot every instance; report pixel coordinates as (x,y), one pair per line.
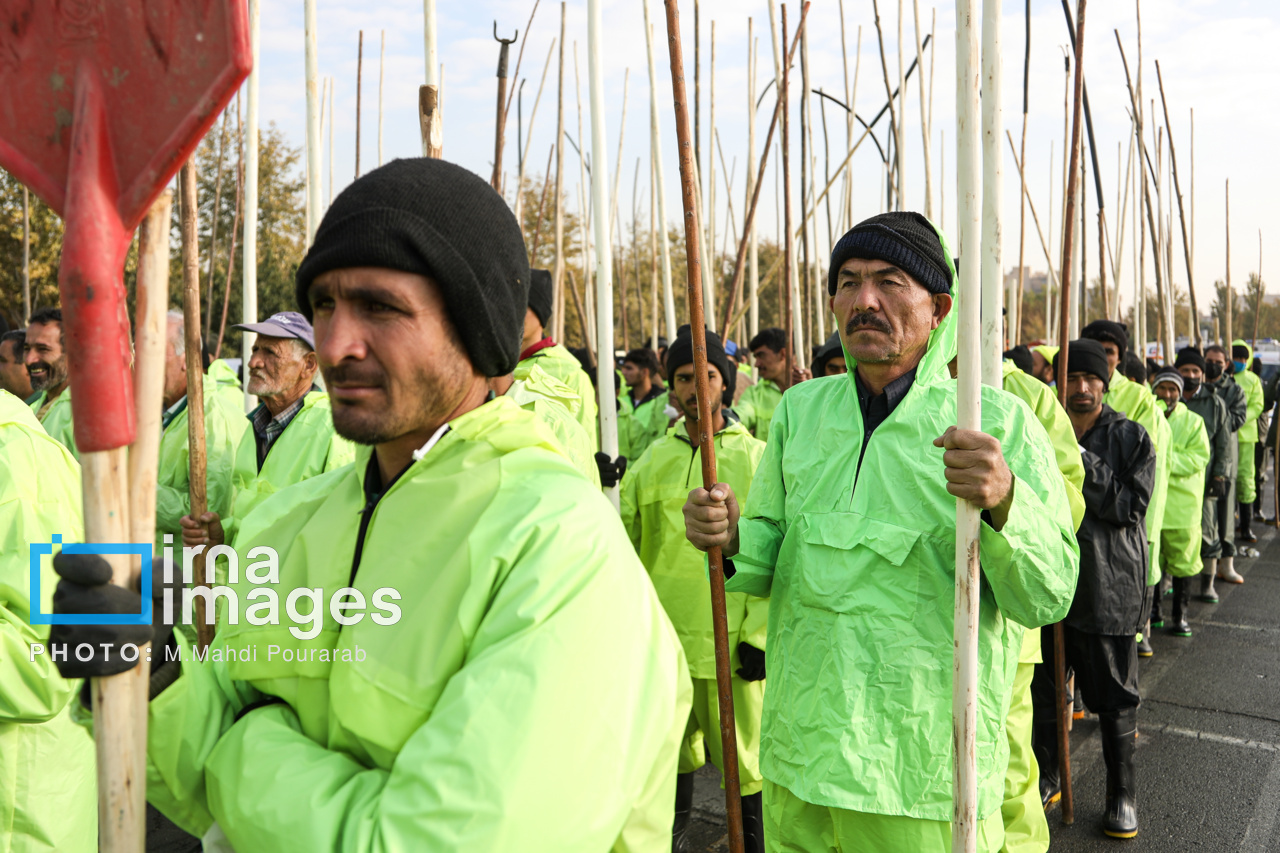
(382,78)
(992,197)
(604,248)
(925,130)
(332,117)
(968,416)
(249,252)
(313,120)
(901,144)
(655,147)
(558,271)
(429,42)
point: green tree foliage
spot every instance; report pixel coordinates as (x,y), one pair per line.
(46,250)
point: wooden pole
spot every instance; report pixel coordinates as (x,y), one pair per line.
(655,153)
(235,225)
(706,442)
(992,198)
(249,277)
(26,254)
(893,204)
(1231,297)
(1044,244)
(1015,315)
(806,176)
(709,248)
(557,274)
(1182,218)
(924,118)
(382,78)
(796,347)
(964,708)
(313,121)
(500,114)
(524,153)
(359,90)
(195,379)
(213,220)
(585,190)
(900,133)
(331,149)
(604,249)
(753,158)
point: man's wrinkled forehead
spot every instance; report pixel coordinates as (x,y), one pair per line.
(859,268)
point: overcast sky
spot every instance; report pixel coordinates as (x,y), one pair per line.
(1219,57)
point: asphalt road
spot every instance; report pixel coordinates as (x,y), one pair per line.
(1208,761)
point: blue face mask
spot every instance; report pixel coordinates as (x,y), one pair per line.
(1238,365)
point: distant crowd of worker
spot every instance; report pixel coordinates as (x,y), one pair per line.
(552,686)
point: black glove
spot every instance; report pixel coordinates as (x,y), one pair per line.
(86,587)
(752,660)
(1216,488)
(610,472)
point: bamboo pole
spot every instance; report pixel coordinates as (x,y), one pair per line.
(557,273)
(331,149)
(235,225)
(924,116)
(1015,315)
(753,245)
(528,143)
(589,301)
(26,254)
(213,219)
(1182,217)
(796,347)
(249,277)
(893,204)
(604,249)
(382,77)
(313,121)
(706,442)
(900,133)
(806,175)
(1044,244)
(359,91)
(1231,297)
(992,198)
(196,488)
(655,153)
(964,707)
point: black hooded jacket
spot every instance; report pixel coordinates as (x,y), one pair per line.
(1119,477)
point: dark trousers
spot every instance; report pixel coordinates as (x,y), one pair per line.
(1105,666)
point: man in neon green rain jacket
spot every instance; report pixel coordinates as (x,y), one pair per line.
(224,426)
(647,400)
(445,705)
(46,361)
(48,792)
(757,403)
(1188,464)
(549,399)
(851,530)
(1246,483)
(652,494)
(291,435)
(553,358)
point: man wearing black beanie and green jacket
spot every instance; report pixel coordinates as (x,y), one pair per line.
(1199,397)
(850,531)
(652,494)
(516,684)
(538,348)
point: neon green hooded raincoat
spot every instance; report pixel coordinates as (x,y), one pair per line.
(1188,460)
(57,421)
(547,397)
(48,788)
(756,407)
(531,696)
(647,423)
(221,375)
(224,426)
(1247,437)
(1137,403)
(857,550)
(306,448)
(560,364)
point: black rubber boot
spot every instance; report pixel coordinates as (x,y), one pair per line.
(753,823)
(1245,533)
(1181,601)
(1119,739)
(1044,746)
(1157,617)
(684,810)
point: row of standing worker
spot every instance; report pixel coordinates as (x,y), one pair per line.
(549,681)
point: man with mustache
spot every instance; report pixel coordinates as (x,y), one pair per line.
(13,373)
(850,530)
(1112,599)
(46,360)
(525,690)
(653,491)
(291,435)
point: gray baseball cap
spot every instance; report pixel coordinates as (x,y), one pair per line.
(286,324)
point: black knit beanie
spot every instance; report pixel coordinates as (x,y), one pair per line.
(680,353)
(829,350)
(1190,356)
(906,240)
(540,294)
(1086,356)
(435,219)
(1021,357)
(1108,331)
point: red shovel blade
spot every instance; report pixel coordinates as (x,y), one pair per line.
(100,102)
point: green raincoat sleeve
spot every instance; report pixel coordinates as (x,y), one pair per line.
(1066,450)
(1254,399)
(224,425)
(47,779)
(467,724)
